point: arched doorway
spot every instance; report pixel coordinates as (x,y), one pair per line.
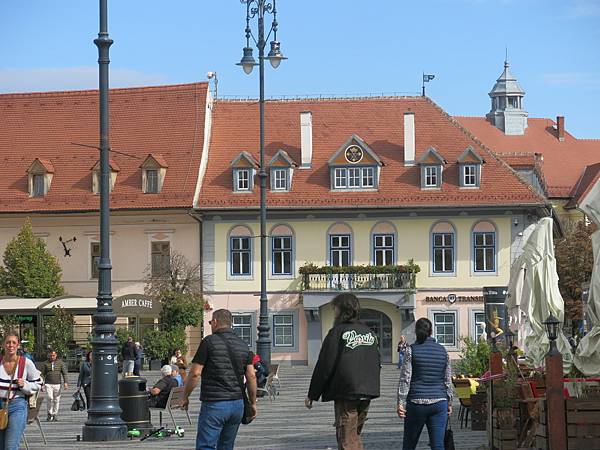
(381,325)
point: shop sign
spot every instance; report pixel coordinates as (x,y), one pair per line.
(27,319)
(136,305)
(453,298)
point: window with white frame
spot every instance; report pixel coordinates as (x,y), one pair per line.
(283,330)
(281,255)
(478,324)
(280,179)
(484,251)
(339,178)
(431,176)
(240,255)
(242,327)
(443,252)
(242,179)
(383,249)
(339,247)
(354,177)
(94,258)
(444,328)
(151,181)
(470,175)
(161,257)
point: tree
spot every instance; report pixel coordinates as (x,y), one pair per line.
(574,263)
(59,330)
(29,270)
(9,323)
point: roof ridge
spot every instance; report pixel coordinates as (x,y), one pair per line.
(87,92)
(487,149)
(319,98)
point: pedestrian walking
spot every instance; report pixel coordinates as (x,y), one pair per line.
(137,365)
(128,355)
(85,377)
(401,350)
(347,372)
(425,389)
(18,379)
(222,360)
(52,372)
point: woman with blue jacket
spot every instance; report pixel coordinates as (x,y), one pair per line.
(425,389)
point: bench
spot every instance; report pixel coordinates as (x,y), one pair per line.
(269,389)
(32,417)
(173,403)
(274,372)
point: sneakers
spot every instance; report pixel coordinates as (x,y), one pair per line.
(51,418)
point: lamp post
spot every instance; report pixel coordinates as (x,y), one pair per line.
(258,8)
(104,414)
(555,402)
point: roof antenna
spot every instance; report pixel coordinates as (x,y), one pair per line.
(506,56)
(210,76)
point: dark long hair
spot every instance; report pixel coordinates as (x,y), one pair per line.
(348,308)
(423,329)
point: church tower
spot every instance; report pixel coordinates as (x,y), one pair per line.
(507,113)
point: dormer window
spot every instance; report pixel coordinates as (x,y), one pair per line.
(244,169)
(154,169)
(114,169)
(432,166)
(354,166)
(470,164)
(39,176)
(282,169)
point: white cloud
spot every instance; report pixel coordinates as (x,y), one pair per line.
(589,80)
(71,78)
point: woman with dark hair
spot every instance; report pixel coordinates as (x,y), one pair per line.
(425,389)
(85,377)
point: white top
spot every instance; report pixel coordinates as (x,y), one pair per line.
(31,376)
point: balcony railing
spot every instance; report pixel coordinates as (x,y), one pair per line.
(358,281)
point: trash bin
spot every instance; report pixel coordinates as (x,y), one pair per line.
(133,400)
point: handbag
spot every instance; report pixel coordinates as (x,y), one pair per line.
(78,402)
(4,410)
(449,436)
(248,410)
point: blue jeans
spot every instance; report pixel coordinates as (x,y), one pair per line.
(218,424)
(434,416)
(400,359)
(17,419)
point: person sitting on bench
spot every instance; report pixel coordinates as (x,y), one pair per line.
(159,394)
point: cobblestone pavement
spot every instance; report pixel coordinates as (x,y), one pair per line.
(282,424)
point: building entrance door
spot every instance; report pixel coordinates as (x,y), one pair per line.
(381,325)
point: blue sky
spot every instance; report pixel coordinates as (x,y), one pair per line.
(334,47)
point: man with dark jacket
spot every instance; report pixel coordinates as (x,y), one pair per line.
(347,372)
(52,372)
(222,360)
(128,354)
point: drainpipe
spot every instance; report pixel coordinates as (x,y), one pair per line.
(198,218)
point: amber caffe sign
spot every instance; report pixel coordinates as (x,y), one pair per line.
(136,305)
(453,298)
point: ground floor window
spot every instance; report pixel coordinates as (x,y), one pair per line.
(283,330)
(444,328)
(478,324)
(242,327)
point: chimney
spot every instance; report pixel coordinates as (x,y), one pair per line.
(560,128)
(306,139)
(409,139)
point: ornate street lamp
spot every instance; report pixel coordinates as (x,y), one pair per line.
(552,324)
(258,8)
(104,414)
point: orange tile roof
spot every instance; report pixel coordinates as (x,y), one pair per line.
(380,122)
(166,120)
(563,162)
(590,176)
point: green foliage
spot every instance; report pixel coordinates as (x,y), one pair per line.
(181,310)
(574,258)
(122,334)
(59,330)
(29,270)
(29,336)
(9,323)
(310,268)
(160,343)
(475,356)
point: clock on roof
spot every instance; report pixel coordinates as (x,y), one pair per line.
(353,154)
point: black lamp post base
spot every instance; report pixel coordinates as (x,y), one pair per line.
(96,433)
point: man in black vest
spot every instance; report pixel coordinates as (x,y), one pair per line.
(347,372)
(222,398)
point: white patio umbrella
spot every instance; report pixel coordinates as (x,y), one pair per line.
(534,292)
(587,355)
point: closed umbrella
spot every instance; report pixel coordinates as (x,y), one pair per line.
(535,284)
